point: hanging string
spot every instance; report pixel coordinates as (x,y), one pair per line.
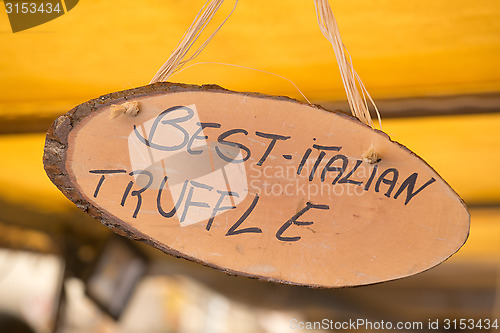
(253,69)
(357,101)
(357,95)
(175,62)
(129,108)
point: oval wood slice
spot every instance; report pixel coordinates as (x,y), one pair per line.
(255,185)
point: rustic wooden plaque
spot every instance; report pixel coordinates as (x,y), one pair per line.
(256,185)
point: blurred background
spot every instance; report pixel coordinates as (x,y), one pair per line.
(433,67)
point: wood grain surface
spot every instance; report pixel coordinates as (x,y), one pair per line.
(309,209)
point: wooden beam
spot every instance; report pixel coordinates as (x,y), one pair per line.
(32,116)
(451,105)
(399,48)
(36,117)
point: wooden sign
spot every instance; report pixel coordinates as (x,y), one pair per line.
(256,185)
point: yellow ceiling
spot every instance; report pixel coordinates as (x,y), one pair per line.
(400,48)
